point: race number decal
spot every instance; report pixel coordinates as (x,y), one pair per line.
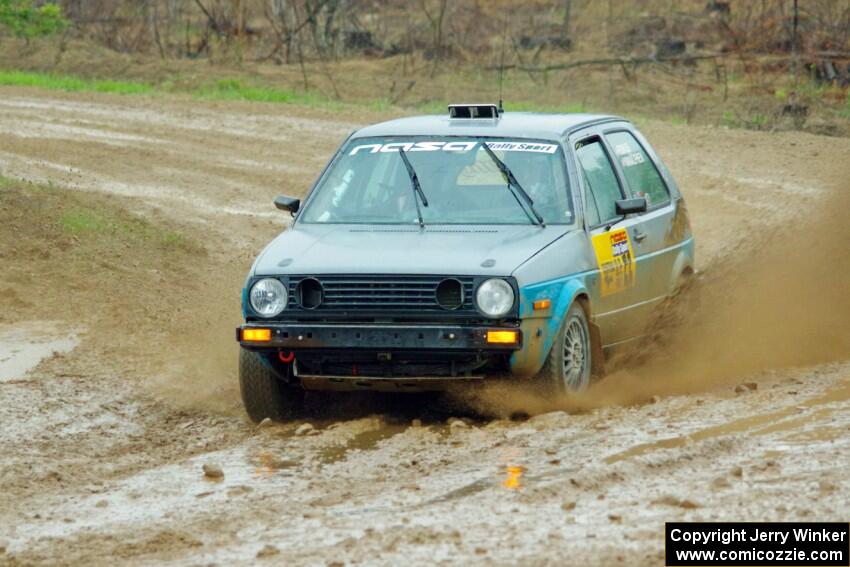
(616,261)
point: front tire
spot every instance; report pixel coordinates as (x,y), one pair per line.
(568,366)
(264,394)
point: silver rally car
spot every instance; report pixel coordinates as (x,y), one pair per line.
(472,247)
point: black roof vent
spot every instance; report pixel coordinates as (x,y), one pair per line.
(490,111)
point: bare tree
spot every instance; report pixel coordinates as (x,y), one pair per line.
(151,7)
(435,11)
(565,25)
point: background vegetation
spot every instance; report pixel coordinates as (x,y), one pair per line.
(764,64)
(27,21)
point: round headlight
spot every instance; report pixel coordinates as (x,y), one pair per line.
(495,297)
(268,297)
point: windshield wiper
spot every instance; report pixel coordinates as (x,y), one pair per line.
(512,181)
(417,188)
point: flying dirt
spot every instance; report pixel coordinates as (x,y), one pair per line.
(778,300)
(120,289)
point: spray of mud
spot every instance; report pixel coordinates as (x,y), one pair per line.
(197,366)
(199,370)
(780,299)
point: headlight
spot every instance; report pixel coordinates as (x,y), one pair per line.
(495,297)
(268,297)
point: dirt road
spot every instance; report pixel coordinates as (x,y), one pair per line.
(117,369)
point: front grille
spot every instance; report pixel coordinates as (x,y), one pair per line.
(381,293)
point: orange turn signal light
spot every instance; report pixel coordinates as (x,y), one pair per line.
(541,304)
(257,335)
(503,337)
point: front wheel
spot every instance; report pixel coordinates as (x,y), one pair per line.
(264,394)
(568,366)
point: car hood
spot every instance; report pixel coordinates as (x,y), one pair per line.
(358,249)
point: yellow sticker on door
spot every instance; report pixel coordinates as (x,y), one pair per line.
(616,261)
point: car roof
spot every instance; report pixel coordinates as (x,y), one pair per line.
(534,125)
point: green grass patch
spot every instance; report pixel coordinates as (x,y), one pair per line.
(225,89)
(82,221)
(107,225)
(89,217)
(174,239)
(70,83)
(233,89)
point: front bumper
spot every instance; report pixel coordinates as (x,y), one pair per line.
(377,336)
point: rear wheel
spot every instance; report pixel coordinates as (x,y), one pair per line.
(568,366)
(264,393)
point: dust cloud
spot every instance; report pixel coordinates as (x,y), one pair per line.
(198,364)
(779,299)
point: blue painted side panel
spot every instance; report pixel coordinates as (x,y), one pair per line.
(539,328)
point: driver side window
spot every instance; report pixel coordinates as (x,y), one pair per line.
(602,188)
(591,209)
(640,173)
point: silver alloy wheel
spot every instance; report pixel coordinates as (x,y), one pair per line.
(576,359)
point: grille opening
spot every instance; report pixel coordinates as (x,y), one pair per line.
(310,293)
(353,294)
(450,294)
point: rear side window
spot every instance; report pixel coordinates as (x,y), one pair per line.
(640,173)
(602,190)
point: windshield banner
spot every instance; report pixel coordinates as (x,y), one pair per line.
(442,145)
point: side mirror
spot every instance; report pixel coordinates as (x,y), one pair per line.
(285,203)
(630,206)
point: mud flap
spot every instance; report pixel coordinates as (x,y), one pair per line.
(597,357)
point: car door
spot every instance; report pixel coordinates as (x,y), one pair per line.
(621,282)
(652,229)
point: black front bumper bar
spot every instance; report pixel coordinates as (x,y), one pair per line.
(295,336)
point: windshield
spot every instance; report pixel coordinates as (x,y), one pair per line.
(461,183)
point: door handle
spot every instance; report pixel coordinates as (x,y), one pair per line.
(638,236)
